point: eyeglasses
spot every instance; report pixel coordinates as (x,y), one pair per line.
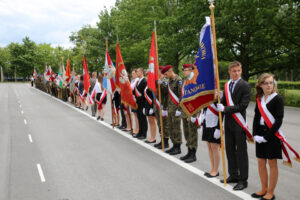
(268,83)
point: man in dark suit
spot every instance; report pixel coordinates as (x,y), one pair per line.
(235,136)
(140,87)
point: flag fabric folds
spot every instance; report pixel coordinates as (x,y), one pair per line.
(68,72)
(59,80)
(86,76)
(198,90)
(152,70)
(109,74)
(123,81)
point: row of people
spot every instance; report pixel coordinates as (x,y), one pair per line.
(234,102)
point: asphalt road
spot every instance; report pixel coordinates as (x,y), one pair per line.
(50,150)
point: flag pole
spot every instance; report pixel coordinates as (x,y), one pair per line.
(159,92)
(111,103)
(212,17)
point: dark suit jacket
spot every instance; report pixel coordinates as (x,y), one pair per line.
(276,108)
(240,97)
(141,87)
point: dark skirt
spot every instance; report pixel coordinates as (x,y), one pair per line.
(208,134)
(271,149)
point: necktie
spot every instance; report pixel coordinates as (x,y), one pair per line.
(231,87)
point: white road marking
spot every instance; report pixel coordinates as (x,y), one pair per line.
(25,122)
(30,138)
(41,173)
(175,160)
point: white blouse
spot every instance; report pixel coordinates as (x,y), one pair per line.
(134,82)
(98,87)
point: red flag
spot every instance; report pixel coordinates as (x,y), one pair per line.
(152,71)
(124,84)
(86,76)
(68,71)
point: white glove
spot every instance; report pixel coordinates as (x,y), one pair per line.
(201,118)
(220,107)
(159,82)
(217,134)
(144,111)
(177,113)
(259,139)
(201,131)
(151,111)
(164,113)
(193,119)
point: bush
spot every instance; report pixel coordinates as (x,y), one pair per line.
(290,91)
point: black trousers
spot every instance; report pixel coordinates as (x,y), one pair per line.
(143,124)
(123,122)
(236,150)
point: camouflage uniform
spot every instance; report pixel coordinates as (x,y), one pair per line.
(190,131)
(175,85)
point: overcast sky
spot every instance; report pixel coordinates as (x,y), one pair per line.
(47,21)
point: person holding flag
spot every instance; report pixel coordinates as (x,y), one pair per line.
(100,94)
(173,108)
(234,104)
(162,82)
(189,123)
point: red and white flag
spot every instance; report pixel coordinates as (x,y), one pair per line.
(152,70)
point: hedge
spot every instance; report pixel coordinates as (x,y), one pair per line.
(290,91)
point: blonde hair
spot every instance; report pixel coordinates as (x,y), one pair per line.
(234,64)
(261,80)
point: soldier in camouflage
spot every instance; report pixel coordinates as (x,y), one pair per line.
(163,84)
(173,109)
(189,126)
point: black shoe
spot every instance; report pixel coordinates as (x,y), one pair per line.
(176,150)
(254,195)
(142,137)
(273,198)
(186,156)
(230,180)
(121,127)
(149,142)
(137,135)
(98,118)
(157,144)
(192,156)
(166,144)
(210,176)
(240,186)
(102,119)
(169,150)
(206,173)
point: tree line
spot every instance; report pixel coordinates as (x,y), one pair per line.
(262,35)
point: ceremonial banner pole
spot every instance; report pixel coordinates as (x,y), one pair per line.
(159,92)
(211,7)
(111,103)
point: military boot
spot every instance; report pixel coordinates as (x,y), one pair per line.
(166,144)
(186,156)
(176,150)
(170,150)
(192,157)
(157,145)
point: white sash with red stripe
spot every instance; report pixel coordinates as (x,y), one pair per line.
(237,116)
(270,120)
(102,97)
(156,101)
(91,96)
(136,91)
(147,97)
(173,96)
(82,95)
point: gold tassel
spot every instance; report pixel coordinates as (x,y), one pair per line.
(287,163)
(250,140)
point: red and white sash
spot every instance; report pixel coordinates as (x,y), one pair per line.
(270,120)
(213,110)
(137,93)
(82,95)
(147,97)
(156,101)
(91,96)
(102,97)
(173,96)
(237,116)
(182,89)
